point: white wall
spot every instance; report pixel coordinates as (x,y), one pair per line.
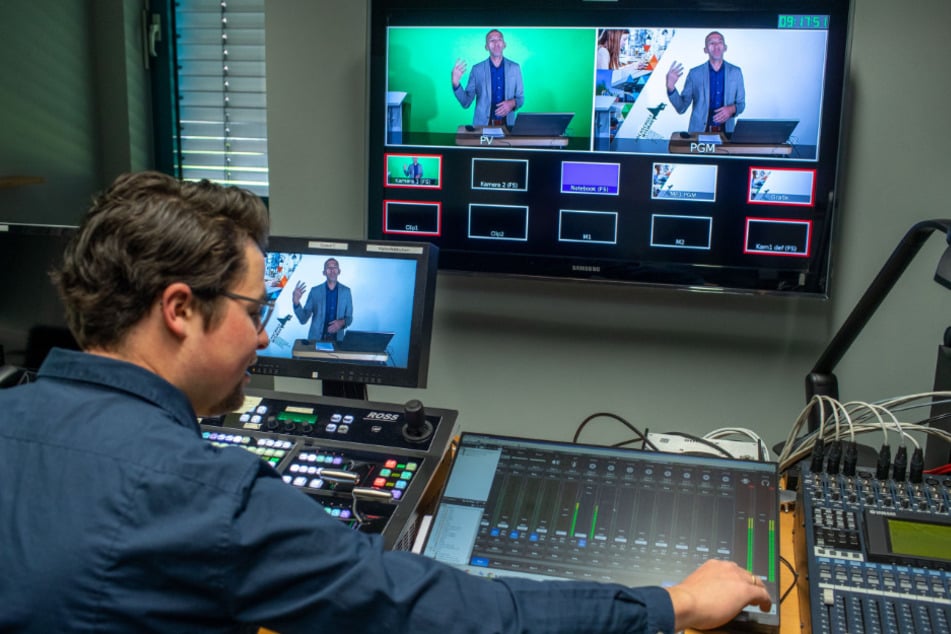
(535,358)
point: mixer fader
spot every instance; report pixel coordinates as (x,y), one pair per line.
(874,555)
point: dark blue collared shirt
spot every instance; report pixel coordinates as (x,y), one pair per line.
(716,93)
(331,313)
(497,78)
(115,516)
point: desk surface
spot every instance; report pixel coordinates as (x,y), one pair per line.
(789,621)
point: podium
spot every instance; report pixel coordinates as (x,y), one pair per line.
(476,136)
(690,143)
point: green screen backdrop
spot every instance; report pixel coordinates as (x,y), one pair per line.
(557,71)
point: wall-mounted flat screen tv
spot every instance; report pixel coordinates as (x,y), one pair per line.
(687,144)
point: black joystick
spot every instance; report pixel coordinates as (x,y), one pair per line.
(416,428)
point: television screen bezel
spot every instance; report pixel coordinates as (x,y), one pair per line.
(761,273)
(358,375)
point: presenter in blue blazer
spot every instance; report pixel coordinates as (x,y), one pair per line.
(715,89)
(495,85)
(329,306)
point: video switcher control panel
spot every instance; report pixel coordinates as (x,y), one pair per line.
(369,464)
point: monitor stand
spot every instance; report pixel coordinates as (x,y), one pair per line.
(344,389)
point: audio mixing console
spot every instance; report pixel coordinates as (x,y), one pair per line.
(873,555)
(368,464)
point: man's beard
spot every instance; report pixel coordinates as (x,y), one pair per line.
(229,403)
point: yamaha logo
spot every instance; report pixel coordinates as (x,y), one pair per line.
(384,416)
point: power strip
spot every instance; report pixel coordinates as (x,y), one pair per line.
(672,443)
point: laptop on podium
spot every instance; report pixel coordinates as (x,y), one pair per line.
(364,341)
(763,131)
(541,124)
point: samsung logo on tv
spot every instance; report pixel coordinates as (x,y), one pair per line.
(586,268)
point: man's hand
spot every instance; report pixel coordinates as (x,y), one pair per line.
(722,114)
(298,293)
(714,593)
(504,108)
(676,70)
(457,72)
(335,325)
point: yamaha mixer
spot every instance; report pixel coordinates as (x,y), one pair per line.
(874,554)
(368,464)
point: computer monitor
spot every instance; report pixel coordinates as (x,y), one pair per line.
(379,333)
(553,510)
(32,320)
(641,188)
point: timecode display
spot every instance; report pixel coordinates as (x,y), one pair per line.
(804,22)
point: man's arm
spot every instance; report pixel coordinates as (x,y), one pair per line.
(680,101)
(413,592)
(519,95)
(739,101)
(330,576)
(347,307)
(465,95)
(303,313)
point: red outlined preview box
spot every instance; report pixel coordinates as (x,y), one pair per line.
(781,186)
(417,171)
(407,217)
(780,237)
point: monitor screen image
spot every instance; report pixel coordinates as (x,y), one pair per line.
(350,313)
(32,320)
(636,119)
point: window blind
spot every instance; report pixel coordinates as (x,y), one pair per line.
(221,92)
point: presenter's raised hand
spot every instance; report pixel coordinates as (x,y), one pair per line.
(676,70)
(457,71)
(299,292)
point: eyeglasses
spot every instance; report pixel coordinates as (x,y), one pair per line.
(260,319)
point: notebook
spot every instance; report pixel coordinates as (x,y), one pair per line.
(763,131)
(541,123)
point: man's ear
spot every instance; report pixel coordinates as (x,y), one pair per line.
(177,307)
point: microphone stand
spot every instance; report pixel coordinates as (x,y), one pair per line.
(821,380)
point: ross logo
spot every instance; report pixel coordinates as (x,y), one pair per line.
(383,416)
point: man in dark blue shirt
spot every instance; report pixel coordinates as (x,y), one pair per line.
(495,84)
(414,170)
(115,515)
(715,88)
(329,306)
